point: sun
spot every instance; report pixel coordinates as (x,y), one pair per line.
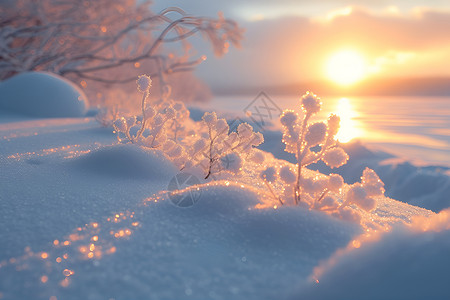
(346,67)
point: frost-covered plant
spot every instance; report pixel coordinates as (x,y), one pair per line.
(324,192)
(268,176)
(148,130)
(362,194)
(218,150)
(300,138)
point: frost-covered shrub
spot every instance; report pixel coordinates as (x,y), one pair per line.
(218,150)
(160,126)
(300,137)
(311,143)
(362,194)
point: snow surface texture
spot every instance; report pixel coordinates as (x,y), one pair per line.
(85,219)
(41,94)
(411,262)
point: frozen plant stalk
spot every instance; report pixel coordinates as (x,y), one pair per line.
(299,137)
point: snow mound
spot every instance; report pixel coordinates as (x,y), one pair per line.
(127,161)
(210,198)
(40,94)
(411,262)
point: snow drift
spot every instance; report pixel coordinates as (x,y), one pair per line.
(127,161)
(411,262)
(41,94)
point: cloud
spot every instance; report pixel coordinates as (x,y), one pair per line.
(295,48)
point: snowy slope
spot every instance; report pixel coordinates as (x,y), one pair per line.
(82,219)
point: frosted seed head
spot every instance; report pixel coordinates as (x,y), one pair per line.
(308,185)
(222,126)
(257,157)
(210,119)
(329,202)
(316,134)
(286,175)
(335,182)
(333,124)
(232,138)
(320,184)
(257,139)
(310,103)
(367,203)
(372,183)
(355,194)
(335,157)
(269,174)
(244,130)
(231,162)
(288,118)
(121,124)
(144,83)
(170,112)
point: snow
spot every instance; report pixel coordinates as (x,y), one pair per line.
(411,262)
(68,180)
(41,94)
(126,161)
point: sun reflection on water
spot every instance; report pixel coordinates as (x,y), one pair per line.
(350,127)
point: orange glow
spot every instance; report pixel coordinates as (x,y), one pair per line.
(74,237)
(58,260)
(66,256)
(56,242)
(68,272)
(137,65)
(44,255)
(95,238)
(103,29)
(83,249)
(111,250)
(356,244)
(66,243)
(65,282)
(44,279)
(90,254)
(135,224)
(92,247)
(346,67)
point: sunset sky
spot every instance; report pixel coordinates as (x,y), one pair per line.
(340,41)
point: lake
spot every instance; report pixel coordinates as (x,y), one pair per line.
(413,128)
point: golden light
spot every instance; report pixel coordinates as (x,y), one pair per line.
(349,128)
(346,67)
